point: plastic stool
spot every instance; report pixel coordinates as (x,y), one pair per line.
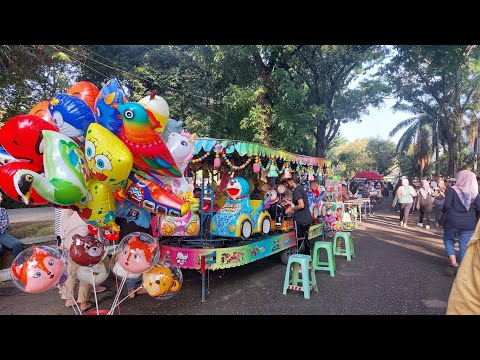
(349,250)
(328,265)
(308,279)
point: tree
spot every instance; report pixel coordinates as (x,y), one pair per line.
(382,154)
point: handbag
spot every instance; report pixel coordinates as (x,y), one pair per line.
(443,218)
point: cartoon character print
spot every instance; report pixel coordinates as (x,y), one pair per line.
(86,250)
(181,258)
(158,281)
(137,255)
(39,272)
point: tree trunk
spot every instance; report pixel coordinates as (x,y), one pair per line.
(437,152)
(320,145)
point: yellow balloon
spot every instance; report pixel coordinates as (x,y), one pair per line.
(108,158)
(98,207)
(159,108)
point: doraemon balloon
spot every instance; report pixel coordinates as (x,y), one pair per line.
(71,115)
(37,269)
(106,114)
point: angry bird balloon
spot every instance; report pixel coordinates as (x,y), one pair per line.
(137,253)
(106,106)
(37,269)
(86,250)
(21,137)
(71,115)
(108,158)
(150,153)
(7,173)
(85,91)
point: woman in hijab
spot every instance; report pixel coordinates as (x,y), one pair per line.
(438,199)
(462,204)
(404,196)
(425,203)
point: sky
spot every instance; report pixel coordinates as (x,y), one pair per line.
(379,123)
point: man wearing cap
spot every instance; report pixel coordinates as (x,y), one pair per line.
(301,213)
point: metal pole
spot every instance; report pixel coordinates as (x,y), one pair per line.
(202,267)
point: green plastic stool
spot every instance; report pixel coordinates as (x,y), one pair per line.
(308,275)
(349,250)
(328,265)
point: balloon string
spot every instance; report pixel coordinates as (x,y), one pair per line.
(73,298)
(124,279)
(126,297)
(94,290)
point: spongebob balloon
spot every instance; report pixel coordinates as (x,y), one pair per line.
(108,158)
(98,207)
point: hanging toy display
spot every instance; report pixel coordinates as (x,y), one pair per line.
(287,171)
(272,168)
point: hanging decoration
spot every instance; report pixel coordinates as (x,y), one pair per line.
(272,168)
(201,158)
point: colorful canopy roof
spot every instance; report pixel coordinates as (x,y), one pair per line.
(369,175)
(245,148)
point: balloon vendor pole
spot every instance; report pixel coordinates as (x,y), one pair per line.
(94,290)
(115,301)
(125,298)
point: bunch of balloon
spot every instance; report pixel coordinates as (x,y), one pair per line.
(163,281)
(38,269)
(88,261)
(137,253)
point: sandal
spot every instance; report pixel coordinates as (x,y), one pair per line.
(69,303)
(85,305)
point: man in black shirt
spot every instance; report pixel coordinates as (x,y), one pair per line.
(301,213)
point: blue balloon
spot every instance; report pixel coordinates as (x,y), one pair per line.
(71,115)
(107,115)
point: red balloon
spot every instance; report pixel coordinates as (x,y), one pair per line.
(7,172)
(86,250)
(21,137)
(85,91)
(41,110)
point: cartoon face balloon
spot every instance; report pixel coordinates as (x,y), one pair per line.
(109,159)
(163,280)
(85,91)
(37,269)
(106,114)
(95,274)
(21,137)
(86,250)
(71,115)
(136,253)
(41,110)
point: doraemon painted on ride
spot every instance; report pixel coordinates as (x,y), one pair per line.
(240,216)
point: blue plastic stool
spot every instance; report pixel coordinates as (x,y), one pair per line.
(349,250)
(308,279)
(328,265)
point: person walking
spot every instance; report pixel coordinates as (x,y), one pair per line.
(425,203)
(438,199)
(301,213)
(404,196)
(462,205)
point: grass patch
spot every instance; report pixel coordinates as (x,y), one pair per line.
(27,230)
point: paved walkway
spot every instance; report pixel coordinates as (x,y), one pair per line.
(31,214)
(396,271)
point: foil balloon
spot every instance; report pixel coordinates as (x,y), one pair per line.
(163,280)
(136,253)
(37,269)
(85,91)
(159,109)
(86,250)
(41,110)
(95,274)
(150,153)
(71,115)
(171,127)
(106,106)
(98,206)
(21,137)
(145,193)
(5,157)
(108,158)
(7,173)
(66,172)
